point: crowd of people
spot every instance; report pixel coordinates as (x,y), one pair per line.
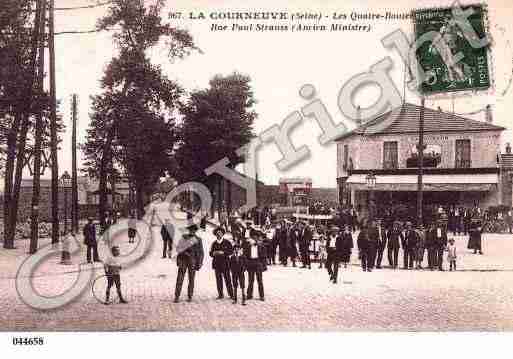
(242,257)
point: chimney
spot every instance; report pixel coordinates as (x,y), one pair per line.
(508,148)
(489,115)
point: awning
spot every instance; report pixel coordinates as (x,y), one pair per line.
(467,182)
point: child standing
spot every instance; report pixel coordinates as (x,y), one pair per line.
(451,254)
(132,228)
(237,267)
(322,248)
(112,269)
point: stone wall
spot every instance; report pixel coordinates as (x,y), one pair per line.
(45,205)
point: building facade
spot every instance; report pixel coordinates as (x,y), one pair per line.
(462,161)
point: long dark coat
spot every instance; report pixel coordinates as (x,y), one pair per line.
(474,240)
(293,239)
(220,261)
(89,232)
(395,237)
(190,252)
(258,264)
(441,242)
(346,246)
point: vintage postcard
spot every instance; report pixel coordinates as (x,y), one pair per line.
(335,167)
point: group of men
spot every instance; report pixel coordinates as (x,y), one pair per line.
(373,239)
(231,260)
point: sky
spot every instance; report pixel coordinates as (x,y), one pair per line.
(279,63)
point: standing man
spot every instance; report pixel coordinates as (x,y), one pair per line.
(189,259)
(346,245)
(373,239)
(395,237)
(337,256)
(89,233)
(431,246)
(363,247)
(331,242)
(254,257)
(304,244)
(281,238)
(441,244)
(409,246)
(220,251)
(272,248)
(293,239)
(167,232)
(381,238)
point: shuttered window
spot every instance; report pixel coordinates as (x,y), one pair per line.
(390,155)
(463,159)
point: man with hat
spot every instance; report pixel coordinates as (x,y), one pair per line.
(395,237)
(377,234)
(440,243)
(363,247)
(167,232)
(409,245)
(331,250)
(89,233)
(293,238)
(282,241)
(304,245)
(431,246)
(238,267)
(373,242)
(189,259)
(220,251)
(254,258)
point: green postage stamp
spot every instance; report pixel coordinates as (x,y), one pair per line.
(442,75)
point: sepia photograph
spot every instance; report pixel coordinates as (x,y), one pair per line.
(325,168)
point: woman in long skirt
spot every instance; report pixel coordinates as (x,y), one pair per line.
(474,241)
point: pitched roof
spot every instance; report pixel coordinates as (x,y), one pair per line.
(507,160)
(405,119)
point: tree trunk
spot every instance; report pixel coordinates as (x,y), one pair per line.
(53,128)
(102,188)
(219,196)
(9,171)
(24,124)
(140,201)
(36,184)
(113,191)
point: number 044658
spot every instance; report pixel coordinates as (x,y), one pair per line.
(27,341)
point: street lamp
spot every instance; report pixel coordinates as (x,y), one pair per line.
(370,179)
(65,183)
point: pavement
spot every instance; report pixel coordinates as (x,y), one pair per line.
(479,296)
